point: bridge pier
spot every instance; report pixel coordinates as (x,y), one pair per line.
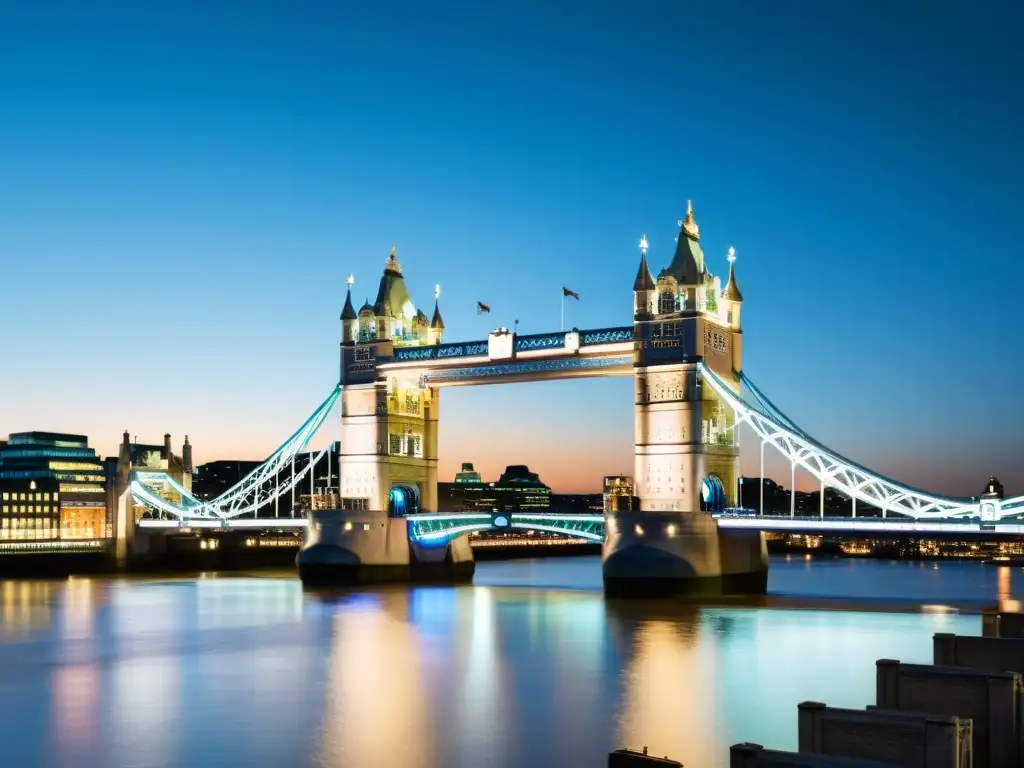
(345,547)
(660,554)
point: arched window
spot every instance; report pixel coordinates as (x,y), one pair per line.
(666,302)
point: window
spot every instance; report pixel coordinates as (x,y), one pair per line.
(666,303)
(395,445)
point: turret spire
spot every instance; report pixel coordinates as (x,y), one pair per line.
(349,312)
(392,265)
(644,281)
(436,322)
(689,225)
(732,288)
(687,265)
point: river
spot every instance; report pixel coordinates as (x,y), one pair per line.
(528,667)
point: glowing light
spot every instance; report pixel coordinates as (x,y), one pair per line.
(501,522)
(671,529)
(409,311)
(643,242)
(732,255)
(348,526)
(351,279)
(437,291)
(638,530)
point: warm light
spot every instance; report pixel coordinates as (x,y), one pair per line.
(409,311)
(638,530)
(348,526)
(671,529)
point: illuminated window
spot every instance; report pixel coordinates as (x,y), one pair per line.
(7,496)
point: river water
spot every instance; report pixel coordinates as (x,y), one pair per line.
(528,667)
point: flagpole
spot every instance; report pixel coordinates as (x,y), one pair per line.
(561,324)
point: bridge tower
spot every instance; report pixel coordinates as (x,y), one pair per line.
(388,454)
(686,446)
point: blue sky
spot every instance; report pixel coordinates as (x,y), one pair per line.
(186,185)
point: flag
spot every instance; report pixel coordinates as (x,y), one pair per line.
(567,292)
(481,308)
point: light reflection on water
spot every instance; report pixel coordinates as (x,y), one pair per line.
(528,667)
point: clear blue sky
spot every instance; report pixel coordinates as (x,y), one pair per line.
(184,187)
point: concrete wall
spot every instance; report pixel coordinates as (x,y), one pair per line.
(1003,654)
(992,700)
(756,756)
(887,736)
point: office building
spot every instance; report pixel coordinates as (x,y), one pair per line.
(618,493)
(51,486)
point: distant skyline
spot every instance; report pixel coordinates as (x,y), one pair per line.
(186,187)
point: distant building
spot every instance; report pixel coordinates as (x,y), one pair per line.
(517,490)
(618,493)
(214,478)
(577,503)
(468,475)
(51,486)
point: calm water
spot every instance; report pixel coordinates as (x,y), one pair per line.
(528,667)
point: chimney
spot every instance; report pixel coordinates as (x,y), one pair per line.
(186,456)
(167,448)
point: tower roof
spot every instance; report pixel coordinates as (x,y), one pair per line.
(732,288)
(348,312)
(436,321)
(687,265)
(367,307)
(644,281)
(392,295)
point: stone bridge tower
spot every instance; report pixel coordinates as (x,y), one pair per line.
(686,447)
(389,423)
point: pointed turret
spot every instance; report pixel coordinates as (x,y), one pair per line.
(687,265)
(644,281)
(348,312)
(732,288)
(393,299)
(186,456)
(436,322)
(732,299)
(644,290)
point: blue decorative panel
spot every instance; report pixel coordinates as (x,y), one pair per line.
(415,353)
(606,335)
(476,348)
(540,341)
(499,370)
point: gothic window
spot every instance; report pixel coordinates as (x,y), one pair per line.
(666,302)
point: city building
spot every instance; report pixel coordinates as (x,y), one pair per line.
(517,490)
(51,486)
(618,493)
(468,475)
(214,478)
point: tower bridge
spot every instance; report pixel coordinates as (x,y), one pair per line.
(691,395)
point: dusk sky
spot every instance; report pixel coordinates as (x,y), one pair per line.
(185,186)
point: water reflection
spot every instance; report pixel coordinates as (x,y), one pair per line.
(376,705)
(255,672)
